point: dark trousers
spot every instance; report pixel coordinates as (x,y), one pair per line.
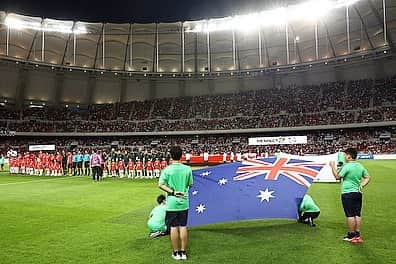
(96,173)
(308,215)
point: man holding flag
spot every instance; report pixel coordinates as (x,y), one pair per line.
(176,179)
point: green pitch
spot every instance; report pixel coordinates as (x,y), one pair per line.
(75,220)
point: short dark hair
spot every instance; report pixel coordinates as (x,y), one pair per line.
(161,198)
(176,152)
(351,152)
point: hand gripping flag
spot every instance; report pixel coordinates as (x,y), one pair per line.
(251,189)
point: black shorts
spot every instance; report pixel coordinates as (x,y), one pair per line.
(352,203)
(307,215)
(79,164)
(176,218)
(86,164)
(74,164)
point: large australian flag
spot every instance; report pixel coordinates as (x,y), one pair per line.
(251,189)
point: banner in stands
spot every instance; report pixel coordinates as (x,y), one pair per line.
(365,156)
(385,156)
(41,147)
(277,140)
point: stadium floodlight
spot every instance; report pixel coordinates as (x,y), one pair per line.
(19,22)
(311,10)
(343,3)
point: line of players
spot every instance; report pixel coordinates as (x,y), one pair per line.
(56,164)
(37,164)
(134,170)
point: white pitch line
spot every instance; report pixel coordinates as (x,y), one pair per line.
(12,183)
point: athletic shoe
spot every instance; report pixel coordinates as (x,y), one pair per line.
(347,238)
(176,256)
(357,240)
(155,234)
(183,256)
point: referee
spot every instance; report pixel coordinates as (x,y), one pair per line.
(354,177)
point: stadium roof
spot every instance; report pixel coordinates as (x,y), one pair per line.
(148,11)
(302,32)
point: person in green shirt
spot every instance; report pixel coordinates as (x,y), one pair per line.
(156,222)
(308,211)
(354,177)
(176,179)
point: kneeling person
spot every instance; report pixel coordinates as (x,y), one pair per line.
(156,222)
(308,211)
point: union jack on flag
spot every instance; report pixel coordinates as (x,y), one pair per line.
(294,169)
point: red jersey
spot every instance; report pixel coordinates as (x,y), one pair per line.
(121,165)
(32,163)
(130,165)
(59,158)
(149,165)
(139,165)
(69,158)
(164,164)
(157,165)
(113,166)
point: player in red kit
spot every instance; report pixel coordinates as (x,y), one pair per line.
(113,169)
(121,168)
(131,169)
(164,164)
(139,169)
(157,168)
(58,168)
(149,169)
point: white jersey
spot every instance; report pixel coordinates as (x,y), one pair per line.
(225,157)
(206,156)
(188,156)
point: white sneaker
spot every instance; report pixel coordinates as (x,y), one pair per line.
(176,256)
(183,256)
(155,234)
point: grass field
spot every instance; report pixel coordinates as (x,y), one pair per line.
(75,220)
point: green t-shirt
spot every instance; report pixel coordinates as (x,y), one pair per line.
(351,175)
(156,221)
(308,205)
(178,177)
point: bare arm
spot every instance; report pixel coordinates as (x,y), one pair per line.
(334,170)
(166,188)
(365,181)
(170,191)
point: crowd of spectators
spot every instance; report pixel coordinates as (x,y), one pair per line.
(377,140)
(341,102)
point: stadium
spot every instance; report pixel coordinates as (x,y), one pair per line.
(323,70)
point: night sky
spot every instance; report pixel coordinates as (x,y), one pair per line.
(142,11)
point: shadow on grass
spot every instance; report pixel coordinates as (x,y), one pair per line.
(253,227)
(131,217)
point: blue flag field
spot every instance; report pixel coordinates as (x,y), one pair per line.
(251,189)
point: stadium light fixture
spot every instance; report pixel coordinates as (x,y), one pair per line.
(19,22)
(311,10)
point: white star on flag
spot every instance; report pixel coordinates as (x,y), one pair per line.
(265,195)
(222,181)
(206,173)
(200,208)
(194,192)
